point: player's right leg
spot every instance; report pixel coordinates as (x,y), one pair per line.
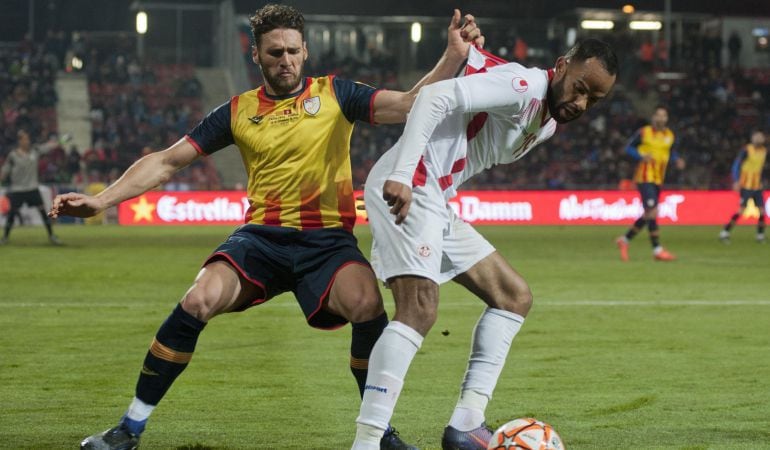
(218,288)
(416,300)
(408,256)
(14,200)
(759,201)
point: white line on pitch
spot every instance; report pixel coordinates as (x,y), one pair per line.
(288,303)
(656,303)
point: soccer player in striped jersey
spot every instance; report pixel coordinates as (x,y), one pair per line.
(294,137)
(457,128)
(747,179)
(653,146)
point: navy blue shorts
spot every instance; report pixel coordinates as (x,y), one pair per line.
(650,193)
(280,259)
(754,194)
(30,198)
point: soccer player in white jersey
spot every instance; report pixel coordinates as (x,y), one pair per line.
(457,128)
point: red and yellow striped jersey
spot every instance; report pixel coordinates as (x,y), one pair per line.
(296,150)
(751,160)
(657,144)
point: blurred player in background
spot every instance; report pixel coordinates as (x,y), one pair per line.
(456,129)
(747,179)
(653,146)
(294,136)
(24,188)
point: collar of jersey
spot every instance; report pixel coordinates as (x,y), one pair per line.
(284,97)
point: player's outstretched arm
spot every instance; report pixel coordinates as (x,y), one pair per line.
(146,173)
(392,106)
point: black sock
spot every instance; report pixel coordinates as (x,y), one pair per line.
(732,221)
(9,222)
(168,356)
(652,226)
(638,225)
(46,221)
(761,224)
(365,335)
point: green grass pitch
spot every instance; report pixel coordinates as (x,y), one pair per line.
(637,355)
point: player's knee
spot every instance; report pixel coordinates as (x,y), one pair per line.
(522,302)
(519,299)
(364,307)
(417,304)
(199,304)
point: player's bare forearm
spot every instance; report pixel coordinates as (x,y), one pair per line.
(145,174)
(393,106)
(148,172)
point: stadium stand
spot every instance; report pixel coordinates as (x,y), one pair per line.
(138,106)
(27,94)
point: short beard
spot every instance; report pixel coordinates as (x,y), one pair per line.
(282,86)
(555,91)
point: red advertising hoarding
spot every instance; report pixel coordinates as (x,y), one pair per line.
(478,207)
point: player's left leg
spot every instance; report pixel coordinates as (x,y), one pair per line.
(47,222)
(724,234)
(509,299)
(16,203)
(651,213)
(355,296)
(760,203)
(649,194)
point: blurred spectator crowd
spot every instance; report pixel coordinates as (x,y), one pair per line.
(28,99)
(137,107)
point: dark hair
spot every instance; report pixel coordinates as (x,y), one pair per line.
(272,16)
(594,48)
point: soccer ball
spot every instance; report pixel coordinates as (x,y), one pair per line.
(525,434)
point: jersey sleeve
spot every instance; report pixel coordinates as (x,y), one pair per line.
(481,92)
(213,132)
(5,169)
(675,145)
(735,170)
(499,90)
(355,99)
(632,147)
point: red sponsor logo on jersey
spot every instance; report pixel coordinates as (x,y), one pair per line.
(519,84)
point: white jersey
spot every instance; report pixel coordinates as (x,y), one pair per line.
(459,127)
(456,129)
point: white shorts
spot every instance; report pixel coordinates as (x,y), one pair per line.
(432,242)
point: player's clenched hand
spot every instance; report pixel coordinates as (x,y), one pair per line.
(76,205)
(399,197)
(461,35)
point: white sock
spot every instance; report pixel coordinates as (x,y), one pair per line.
(469,412)
(367,437)
(139,411)
(388,364)
(491,342)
